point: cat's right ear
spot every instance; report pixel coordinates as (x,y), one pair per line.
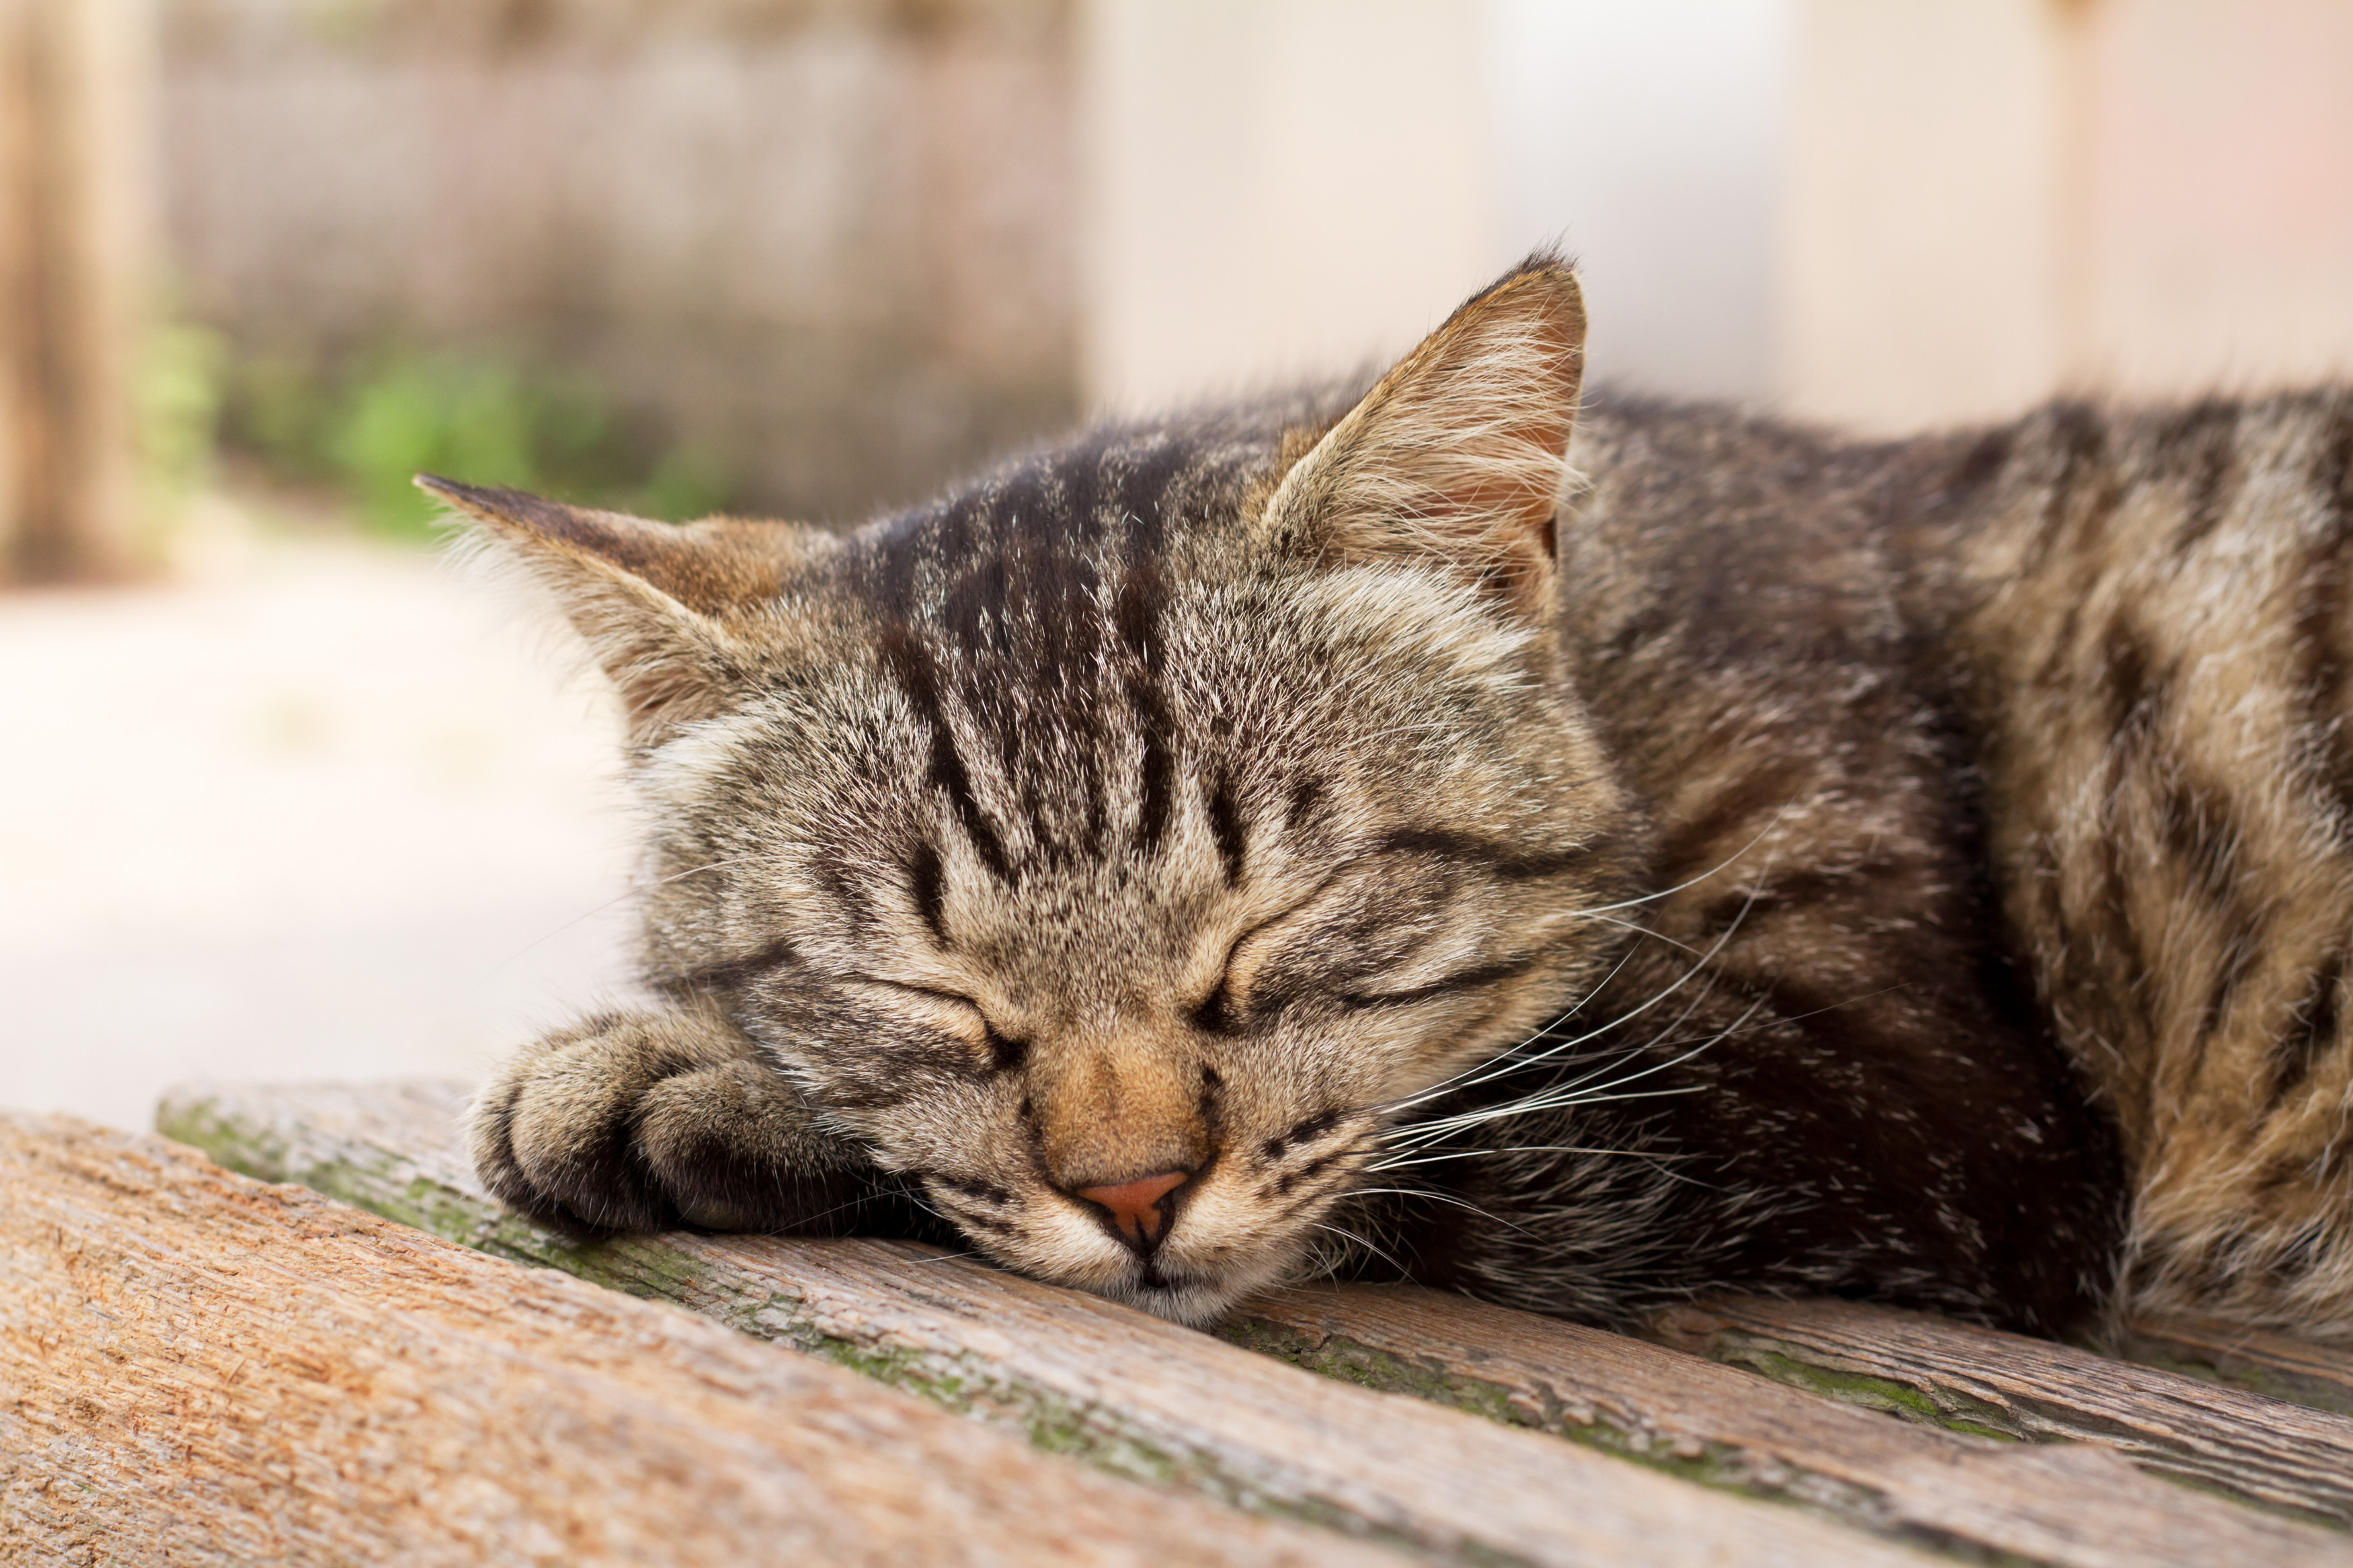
(1458,459)
(659,605)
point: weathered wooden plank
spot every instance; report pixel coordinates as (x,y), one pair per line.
(198,1369)
(1075,1372)
(2071,1504)
(1951,1374)
(2271,1364)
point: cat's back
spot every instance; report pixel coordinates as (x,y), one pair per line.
(1734,616)
(2082,682)
(2150,609)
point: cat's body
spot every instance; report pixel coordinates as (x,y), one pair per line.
(1920,870)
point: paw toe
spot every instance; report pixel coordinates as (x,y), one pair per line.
(731,1146)
(571,1129)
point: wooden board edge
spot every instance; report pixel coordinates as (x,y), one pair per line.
(180,1389)
(386,1181)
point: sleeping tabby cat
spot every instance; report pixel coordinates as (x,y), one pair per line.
(1373,831)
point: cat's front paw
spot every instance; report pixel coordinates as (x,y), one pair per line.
(642,1121)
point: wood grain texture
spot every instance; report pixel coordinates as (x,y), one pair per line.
(197,1369)
(1949,1375)
(2062,1504)
(1073,1372)
(2271,1364)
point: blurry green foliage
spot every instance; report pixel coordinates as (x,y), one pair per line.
(483,423)
(688,482)
(179,402)
(399,411)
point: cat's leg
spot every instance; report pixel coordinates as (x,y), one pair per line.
(645,1120)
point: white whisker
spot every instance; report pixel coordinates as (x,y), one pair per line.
(1704,876)
(1368,1245)
(1441,1085)
(1518,1063)
(1574,1094)
(1438,1197)
(1521,1149)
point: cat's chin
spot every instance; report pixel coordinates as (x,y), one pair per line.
(1197,1301)
(1196,1304)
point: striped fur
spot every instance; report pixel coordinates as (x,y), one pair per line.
(1914,870)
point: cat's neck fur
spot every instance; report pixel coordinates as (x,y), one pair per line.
(1736,622)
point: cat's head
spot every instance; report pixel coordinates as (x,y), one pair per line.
(1120,844)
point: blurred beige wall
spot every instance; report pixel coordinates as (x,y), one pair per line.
(1884,214)
(1990,201)
(1646,138)
(1275,187)
(1920,268)
(833,241)
(858,244)
(2219,235)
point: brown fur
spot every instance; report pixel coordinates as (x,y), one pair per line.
(2153,613)
(1914,870)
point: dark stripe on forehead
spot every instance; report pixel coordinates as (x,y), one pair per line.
(1499,860)
(853,908)
(927,888)
(910,663)
(1143,596)
(1225,823)
(918,675)
(1156,775)
(1137,615)
(947,772)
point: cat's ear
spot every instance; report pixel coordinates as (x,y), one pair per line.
(1459,455)
(660,605)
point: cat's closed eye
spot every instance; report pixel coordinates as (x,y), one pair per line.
(1001,1049)
(957,1013)
(1446,986)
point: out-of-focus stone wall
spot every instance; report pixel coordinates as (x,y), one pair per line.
(831,241)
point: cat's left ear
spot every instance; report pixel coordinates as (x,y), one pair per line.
(1459,458)
(665,608)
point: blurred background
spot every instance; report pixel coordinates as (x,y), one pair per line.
(281,796)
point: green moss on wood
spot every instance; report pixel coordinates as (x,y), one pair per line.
(383,1184)
(1945,1407)
(1336,1356)
(1722,1465)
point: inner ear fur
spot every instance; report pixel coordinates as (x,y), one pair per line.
(659,604)
(1458,457)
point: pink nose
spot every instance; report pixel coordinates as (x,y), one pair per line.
(1135,1206)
